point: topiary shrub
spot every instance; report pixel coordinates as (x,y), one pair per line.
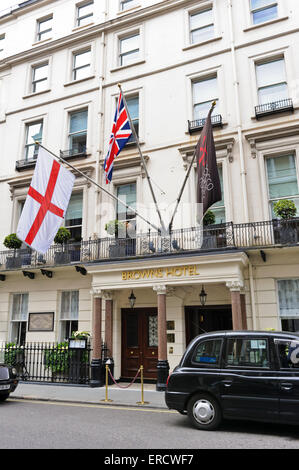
(285,209)
(12,242)
(209,218)
(62,236)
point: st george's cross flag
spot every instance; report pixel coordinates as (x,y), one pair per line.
(120,134)
(46,203)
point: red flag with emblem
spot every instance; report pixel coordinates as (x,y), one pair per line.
(46,203)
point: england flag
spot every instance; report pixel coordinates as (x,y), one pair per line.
(46,203)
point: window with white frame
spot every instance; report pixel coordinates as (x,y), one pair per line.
(40,77)
(219,207)
(84,13)
(133,108)
(201,26)
(129,49)
(288,295)
(127,194)
(205,91)
(126,4)
(19,318)
(69,313)
(271,81)
(282,180)
(73,216)
(263,10)
(44,28)
(34,133)
(81,64)
(78,131)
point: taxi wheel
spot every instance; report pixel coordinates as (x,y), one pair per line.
(204,412)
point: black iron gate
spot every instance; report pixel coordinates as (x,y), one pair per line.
(48,362)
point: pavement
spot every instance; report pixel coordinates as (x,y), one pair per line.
(120,394)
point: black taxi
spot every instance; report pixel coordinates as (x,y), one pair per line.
(250,375)
(8,381)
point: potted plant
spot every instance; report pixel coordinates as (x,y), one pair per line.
(285,231)
(61,238)
(13,243)
(118,229)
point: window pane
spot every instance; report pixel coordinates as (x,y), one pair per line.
(282,178)
(45,24)
(133,107)
(78,121)
(288,353)
(41,72)
(260,3)
(85,10)
(273,93)
(288,294)
(74,210)
(69,305)
(129,44)
(208,352)
(265,15)
(203,34)
(126,4)
(205,90)
(34,132)
(201,110)
(270,73)
(201,19)
(82,59)
(127,194)
(20,307)
(247,352)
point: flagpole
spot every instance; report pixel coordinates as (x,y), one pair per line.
(143,162)
(185,180)
(99,186)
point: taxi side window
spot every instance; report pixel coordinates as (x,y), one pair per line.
(288,353)
(245,352)
(207,353)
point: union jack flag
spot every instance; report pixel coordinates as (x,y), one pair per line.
(120,134)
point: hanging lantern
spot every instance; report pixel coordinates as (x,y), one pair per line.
(203,296)
(132,299)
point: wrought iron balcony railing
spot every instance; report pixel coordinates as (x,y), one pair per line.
(25,164)
(76,152)
(197,124)
(214,238)
(273,108)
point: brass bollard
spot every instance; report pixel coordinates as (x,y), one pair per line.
(106,392)
(142,402)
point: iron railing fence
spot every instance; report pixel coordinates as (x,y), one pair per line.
(151,244)
(274,107)
(48,362)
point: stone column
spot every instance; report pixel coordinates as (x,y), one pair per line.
(243,309)
(235,287)
(109,322)
(162,366)
(96,379)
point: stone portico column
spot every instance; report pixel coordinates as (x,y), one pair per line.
(109,322)
(235,288)
(162,366)
(96,379)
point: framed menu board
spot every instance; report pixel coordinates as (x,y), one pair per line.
(43,321)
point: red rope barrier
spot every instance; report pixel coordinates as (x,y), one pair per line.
(126,386)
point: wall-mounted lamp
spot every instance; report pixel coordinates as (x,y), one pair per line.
(203,297)
(132,299)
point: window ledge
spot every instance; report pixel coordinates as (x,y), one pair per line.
(78,28)
(123,12)
(260,25)
(122,67)
(73,82)
(37,43)
(36,93)
(208,41)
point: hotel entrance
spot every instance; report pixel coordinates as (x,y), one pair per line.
(139,342)
(208,318)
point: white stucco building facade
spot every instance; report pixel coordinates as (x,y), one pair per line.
(60,65)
